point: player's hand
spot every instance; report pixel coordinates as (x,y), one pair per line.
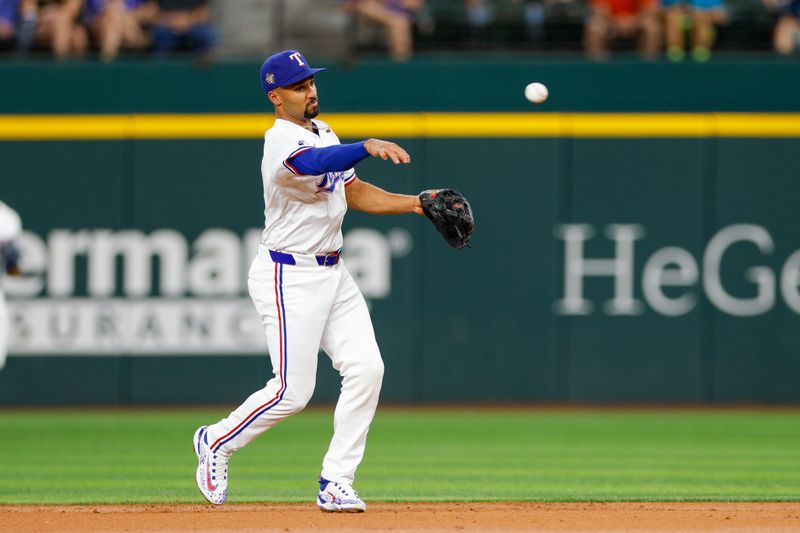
(387,150)
(418,206)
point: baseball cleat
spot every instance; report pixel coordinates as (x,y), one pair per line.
(339,497)
(212,470)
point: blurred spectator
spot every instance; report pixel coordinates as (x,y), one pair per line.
(483,14)
(705,14)
(489,19)
(787,30)
(534,15)
(184,24)
(8,21)
(17,24)
(58,26)
(610,20)
(479,14)
(118,23)
(10,231)
(395,15)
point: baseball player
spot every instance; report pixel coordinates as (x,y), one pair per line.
(10,229)
(302,290)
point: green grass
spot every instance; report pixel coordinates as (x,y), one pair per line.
(107,456)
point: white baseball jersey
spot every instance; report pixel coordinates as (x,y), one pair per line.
(10,224)
(303,214)
(10,229)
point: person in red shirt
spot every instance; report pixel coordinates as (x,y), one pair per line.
(627,19)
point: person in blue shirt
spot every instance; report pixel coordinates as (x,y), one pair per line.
(120,23)
(705,15)
(58,25)
(184,23)
(17,24)
(396,16)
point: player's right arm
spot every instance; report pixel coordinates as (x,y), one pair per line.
(387,150)
(312,161)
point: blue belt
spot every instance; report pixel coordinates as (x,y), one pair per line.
(288,259)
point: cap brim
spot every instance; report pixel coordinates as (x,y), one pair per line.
(300,76)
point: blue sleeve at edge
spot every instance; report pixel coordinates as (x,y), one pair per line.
(315,161)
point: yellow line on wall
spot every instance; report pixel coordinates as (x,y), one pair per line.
(404,125)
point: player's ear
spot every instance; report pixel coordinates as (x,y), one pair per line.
(274,98)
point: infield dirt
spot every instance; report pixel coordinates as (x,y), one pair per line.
(407,517)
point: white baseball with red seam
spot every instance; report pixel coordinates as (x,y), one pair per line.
(536,92)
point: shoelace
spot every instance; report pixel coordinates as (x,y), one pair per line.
(219,464)
(346,493)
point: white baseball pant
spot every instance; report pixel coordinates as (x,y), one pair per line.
(304,308)
(3,329)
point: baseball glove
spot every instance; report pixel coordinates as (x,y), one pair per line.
(450,213)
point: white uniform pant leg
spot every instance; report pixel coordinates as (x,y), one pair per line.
(349,340)
(3,331)
(293,303)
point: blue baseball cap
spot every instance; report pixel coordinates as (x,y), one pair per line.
(285,68)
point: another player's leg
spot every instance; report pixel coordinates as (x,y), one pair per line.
(349,340)
(3,331)
(293,305)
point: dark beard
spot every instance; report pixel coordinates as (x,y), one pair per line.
(311,114)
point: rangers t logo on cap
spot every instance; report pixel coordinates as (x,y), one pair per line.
(285,68)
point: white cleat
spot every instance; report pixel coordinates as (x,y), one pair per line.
(212,470)
(339,497)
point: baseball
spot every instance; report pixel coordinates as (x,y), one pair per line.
(536,92)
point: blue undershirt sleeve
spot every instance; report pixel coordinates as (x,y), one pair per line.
(315,161)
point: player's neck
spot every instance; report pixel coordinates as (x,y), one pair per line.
(305,124)
(302,122)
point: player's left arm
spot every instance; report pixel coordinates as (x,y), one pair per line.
(363,196)
(366,197)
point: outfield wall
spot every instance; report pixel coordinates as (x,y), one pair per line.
(617,257)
